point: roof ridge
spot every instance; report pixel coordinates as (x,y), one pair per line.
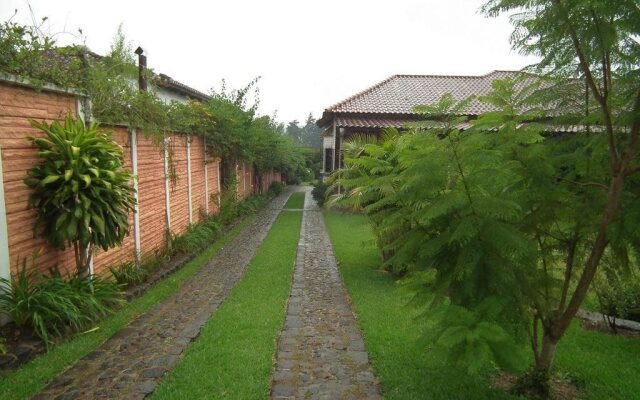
(454,76)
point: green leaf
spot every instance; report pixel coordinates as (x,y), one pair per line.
(49,179)
(99,221)
(86,179)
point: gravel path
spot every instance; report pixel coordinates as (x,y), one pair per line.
(131,363)
(321,354)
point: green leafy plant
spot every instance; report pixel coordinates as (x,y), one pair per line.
(500,215)
(198,236)
(619,299)
(319,193)
(276,189)
(129,274)
(54,304)
(81,193)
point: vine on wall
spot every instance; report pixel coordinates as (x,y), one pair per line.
(227,121)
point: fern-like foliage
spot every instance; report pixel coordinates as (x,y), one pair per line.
(489,225)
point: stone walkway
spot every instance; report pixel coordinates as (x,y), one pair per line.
(321,353)
(131,363)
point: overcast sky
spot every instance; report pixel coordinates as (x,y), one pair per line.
(310,54)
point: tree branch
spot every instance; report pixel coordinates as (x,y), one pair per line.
(602,99)
(596,184)
(567,274)
(632,171)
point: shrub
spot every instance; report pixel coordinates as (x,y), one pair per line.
(81,193)
(275,189)
(319,192)
(619,299)
(151,262)
(198,236)
(129,274)
(228,205)
(52,305)
(251,205)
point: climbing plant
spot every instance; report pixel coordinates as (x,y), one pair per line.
(227,120)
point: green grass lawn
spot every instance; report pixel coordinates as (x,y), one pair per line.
(32,377)
(605,366)
(232,358)
(296,201)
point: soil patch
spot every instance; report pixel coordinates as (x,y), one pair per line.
(561,387)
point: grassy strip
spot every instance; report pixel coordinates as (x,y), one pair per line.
(32,377)
(232,357)
(296,201)
(604,366)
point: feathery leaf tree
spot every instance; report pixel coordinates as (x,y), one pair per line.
(502,227)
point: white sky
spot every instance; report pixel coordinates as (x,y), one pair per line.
(310,54)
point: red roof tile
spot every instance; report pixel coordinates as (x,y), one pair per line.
(399,94)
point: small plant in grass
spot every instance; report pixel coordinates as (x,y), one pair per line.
(53,304)
(319,192)
(81,192)
(129,274)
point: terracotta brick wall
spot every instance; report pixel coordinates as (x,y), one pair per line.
(197,178)
(125,252)
(18,105)
(151,200)
(213,168)
(178,188)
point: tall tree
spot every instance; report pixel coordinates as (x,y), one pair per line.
(596,41)
(506,232)
(312,134)
(294,132)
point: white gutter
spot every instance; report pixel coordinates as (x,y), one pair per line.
(167,202)
(136,209)
(206,178)
(5,266)
(189,180)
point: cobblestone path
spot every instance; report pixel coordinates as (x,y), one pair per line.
(131,363)
(321,353)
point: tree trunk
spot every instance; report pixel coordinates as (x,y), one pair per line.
(544,361)
(83,258)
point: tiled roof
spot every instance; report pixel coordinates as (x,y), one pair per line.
(168,82)
(63,57)
(400,93)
